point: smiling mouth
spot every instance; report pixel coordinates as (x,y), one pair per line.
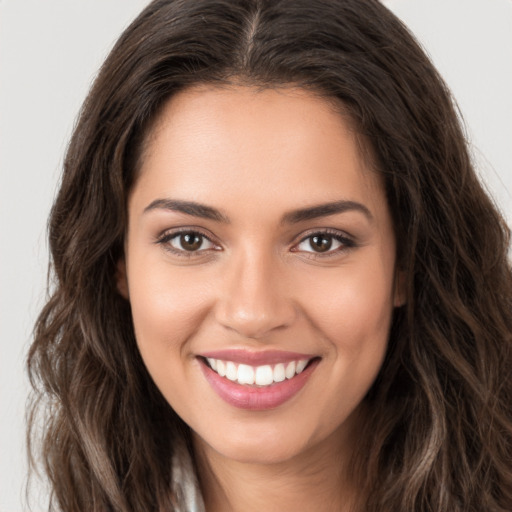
(257,381)
(258,376)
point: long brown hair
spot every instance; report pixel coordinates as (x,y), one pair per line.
(439,435)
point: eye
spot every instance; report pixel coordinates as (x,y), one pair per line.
(186,243)
(324,242)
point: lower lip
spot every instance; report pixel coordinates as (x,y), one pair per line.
(257,398)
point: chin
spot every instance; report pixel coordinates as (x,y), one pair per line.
(256,452)
(260,443)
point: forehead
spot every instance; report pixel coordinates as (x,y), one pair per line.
(285,145)
(258,112)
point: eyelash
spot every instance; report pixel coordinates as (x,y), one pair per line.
(167,237)
(346,242)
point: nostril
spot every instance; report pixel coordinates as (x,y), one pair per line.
(255,321)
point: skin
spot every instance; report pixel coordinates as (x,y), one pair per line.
(259,284)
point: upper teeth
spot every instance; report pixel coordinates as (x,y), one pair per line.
(259,375)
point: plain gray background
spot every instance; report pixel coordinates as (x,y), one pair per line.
(50,51)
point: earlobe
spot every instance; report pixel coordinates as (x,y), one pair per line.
(121,279)
(399,293)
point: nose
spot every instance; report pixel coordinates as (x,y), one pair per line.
(254,299)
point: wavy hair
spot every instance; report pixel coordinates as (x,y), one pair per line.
(439,436)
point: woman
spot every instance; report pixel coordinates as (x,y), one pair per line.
(278,281)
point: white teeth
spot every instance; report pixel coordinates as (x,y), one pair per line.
(290,370)
(301,365)
(245,374)
(279,374)
(264,375)
(231,371)
(221,368)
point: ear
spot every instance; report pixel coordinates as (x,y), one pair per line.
(121,279)
(399,290)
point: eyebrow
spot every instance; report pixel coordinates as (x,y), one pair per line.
(292,217)
(324,210)
(189,208)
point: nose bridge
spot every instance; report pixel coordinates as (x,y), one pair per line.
(254,300)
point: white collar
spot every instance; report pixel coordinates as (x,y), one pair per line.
(185,484)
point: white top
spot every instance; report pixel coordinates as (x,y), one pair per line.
(185,484)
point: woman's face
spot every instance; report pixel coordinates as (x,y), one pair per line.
(260,268)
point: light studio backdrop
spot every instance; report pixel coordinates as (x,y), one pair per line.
(50,51)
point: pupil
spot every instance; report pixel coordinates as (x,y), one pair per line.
(191,241)
(321,243)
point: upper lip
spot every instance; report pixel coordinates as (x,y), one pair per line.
(255,358)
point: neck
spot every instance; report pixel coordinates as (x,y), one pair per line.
(317,479)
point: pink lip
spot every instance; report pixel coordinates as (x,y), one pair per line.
(257,398)
(256,358)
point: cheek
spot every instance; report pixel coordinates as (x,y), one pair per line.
(353,308)
(353,315)
(166,307)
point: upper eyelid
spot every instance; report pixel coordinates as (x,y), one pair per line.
(171,232)
(324,231)
(165,237)
(298,239)
(348,243)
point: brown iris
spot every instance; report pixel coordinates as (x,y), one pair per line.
(320,243)
(191,241)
